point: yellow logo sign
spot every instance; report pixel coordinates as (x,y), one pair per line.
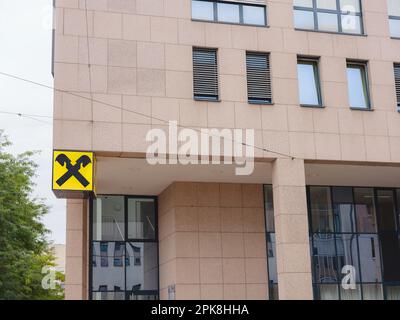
(73,170)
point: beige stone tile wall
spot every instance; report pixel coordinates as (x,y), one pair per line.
(212,241)
(77,244)
(140,56)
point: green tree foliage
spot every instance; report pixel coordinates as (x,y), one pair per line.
(24,248)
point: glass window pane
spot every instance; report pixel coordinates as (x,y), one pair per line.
(372,291)
(308,83)
(108,295)
(392,292)
(344,217)
(342,194)
(272,269)
(390,244)
(357,86)
(269,208)
(141,268)
(347,254)
(303,3)
(321,209)
(351,24)
(327,22)
(394,28)
(370,258)
(228,12)
(365,210)
(107,275)
(326,4)
(324,259)
(386,210)
(202,10)
(394,7)
(108,218)
(327,292)
(350,294)
(303,19)
(254,15)
(352,6)
(141,219)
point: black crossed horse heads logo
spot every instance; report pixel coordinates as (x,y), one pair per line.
(73,170)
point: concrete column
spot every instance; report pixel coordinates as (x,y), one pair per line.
(291,227)
(76,270)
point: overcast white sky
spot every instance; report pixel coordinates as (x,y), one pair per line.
(25,50)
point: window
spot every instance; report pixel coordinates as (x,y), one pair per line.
(397,81)
(271,243)
(258,78)
(309,84)
(357,80)
(364,237)
(394,18)
(228,12)
(205,74)
(342,16)
(124,229)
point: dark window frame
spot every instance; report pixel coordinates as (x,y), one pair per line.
(364,65)
(384,284)
(241,18)
(152,293)
(339,14)
(314,61)
(254,100)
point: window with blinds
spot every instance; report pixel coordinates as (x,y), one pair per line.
(258,78)
(397,81)
(205,74)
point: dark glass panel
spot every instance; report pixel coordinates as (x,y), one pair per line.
(269,208)
(327,292)
(370,258)
(141,267)
(372,291)
(365,210)
(321,209)
(324,258)
(271,253)
(342,194)
(344,217)
(386,210)
(390,256)
(347,254)
(106,275)
(141,219)
(392,292)
(110,295)
(108,218)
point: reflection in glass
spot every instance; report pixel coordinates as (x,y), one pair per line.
(392,292)
(351,24)
(304,19)
(107,276)
(344,217)
(309,88)
(326,4)
(303,3)
(387,210)
(394,25)
(228,12)
(357,86)
(365,210)
(328,22)
(324,258)
(327,292)
(108,218)
(141,219)
(202,10)
(370,258)
(321,209)
(271,247)
(394,7)
(142,270)
(350,294)
(372,291)
(118,295)
(269,208)
(352,6)
(347,254)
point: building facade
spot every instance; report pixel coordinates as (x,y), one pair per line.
(319,83)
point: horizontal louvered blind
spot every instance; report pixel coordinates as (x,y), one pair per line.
(205,74)
(397,81)
(258,78)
